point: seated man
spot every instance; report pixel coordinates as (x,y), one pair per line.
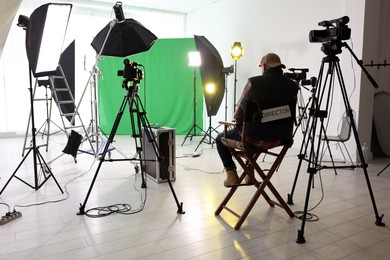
(268,90)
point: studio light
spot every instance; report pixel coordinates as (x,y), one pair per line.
(210,88)
(119,12)
(23,21)
(45,37)
(237,51)
(194,59)
(45,33)
(211,71)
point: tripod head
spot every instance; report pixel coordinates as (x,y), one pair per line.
(332,48)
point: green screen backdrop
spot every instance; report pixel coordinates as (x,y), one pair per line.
(166,90)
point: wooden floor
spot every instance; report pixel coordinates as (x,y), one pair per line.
(52,230)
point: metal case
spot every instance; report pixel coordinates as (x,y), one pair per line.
(165,140)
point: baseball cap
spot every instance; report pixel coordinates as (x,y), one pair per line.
(272,60)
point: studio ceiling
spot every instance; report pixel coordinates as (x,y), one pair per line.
(180,6)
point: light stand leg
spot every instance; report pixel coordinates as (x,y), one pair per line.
(192,132)
(37,157)
(208,134)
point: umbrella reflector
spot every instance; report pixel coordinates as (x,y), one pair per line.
(126,38)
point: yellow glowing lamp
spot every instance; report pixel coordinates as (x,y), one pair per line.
(237,51)
(210,88)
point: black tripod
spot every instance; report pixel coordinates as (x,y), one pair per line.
(137,118)
(318,112)
(208,138)
(37,157)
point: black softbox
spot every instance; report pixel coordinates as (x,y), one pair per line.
(211,71)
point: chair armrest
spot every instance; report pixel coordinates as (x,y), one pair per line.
(228,123)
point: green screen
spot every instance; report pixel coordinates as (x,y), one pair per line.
(166,90)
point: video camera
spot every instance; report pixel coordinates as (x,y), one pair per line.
(336,31)
(131,73)
(299,75)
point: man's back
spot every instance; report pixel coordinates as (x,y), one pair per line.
(270,90)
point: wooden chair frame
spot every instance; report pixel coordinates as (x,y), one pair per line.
(247,156)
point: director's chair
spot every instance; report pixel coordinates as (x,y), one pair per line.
(246,154)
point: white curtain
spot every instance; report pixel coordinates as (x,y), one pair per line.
(8,10)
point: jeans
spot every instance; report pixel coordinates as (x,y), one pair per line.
(223,151)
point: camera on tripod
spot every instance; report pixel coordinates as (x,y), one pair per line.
(299,75)
(336,31)
(131,73)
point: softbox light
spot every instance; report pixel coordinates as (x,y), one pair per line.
(45,37)
(211,71)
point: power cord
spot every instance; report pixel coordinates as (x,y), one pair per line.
(120,208)
(187,168)
(105,211)
(310,217)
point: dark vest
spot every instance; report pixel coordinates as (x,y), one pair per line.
(273,89)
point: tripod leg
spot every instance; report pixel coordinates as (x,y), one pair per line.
(106,148)
(378,221)
(301,233)
(144,122)
(303,149)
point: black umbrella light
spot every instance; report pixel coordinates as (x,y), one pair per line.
(211,71)
(123,38)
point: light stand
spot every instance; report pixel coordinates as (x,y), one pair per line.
(92,82)
(43,48)
(237,51)
(210,89)
(37,157)
(46,125)
(227,71)
(194,62)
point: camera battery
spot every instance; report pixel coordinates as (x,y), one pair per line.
(165,141)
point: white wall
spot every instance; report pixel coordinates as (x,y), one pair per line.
(283,27)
